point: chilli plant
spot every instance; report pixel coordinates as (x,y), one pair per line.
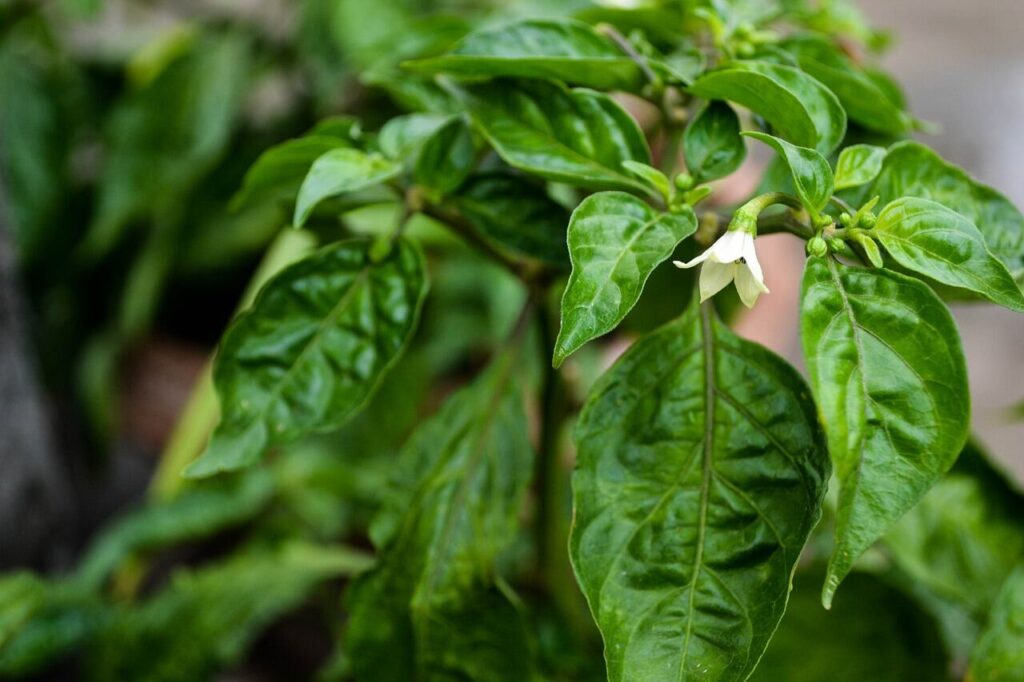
(712,483)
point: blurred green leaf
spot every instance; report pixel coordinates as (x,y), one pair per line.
(999,655)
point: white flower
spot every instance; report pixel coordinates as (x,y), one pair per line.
(731,258)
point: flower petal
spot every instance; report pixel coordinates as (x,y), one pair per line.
(696,261)
(714,277)
(750,256)
(730,246)
(747,287)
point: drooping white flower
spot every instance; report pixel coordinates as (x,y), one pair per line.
(730,259)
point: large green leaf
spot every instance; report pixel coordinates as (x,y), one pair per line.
(965,536)
(314,345)
(427,611)
(873,632)
(555,49)
(341,171)
(516,214)
(812,176)
(615,242)
(858,165)
(999,655)
(798,107)
(912,170)
(712,144)
(888,374)
(941,244)
(579,137)
(701,472)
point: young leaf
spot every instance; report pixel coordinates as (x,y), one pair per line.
(578,137)
(812,176)
(340,171)
(516,214)
(912,170)
(888,374)
(446,158)
(458,487)
(545,49)
(615,242)
(700,474)
(712,144)
(314,345)
(401,137)
(858,165)
(281,169)
(999,654)
(941,244)
(652,176)
(798,107)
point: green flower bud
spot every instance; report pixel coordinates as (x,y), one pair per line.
(868,220)
(817,247)
(745,49)
(845,219)
(684,181)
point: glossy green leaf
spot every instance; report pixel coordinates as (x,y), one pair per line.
(314,345)
(402,136)
(888,373)
(516,214)
(579,137)
(941,244)
(549,49)
(864,101)
(281,169)
(798,107)
(615,242)
(965,537)
(712,144)
(701,471)
(452,508)
(446,158)
(341,171)
(812,176)
(858,165)
(912,170)
(653,177)
(999,654)
(873,632)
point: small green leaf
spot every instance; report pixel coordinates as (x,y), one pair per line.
(446,158)
(798,107)
(281,169)
(701,471)
(458,486)
(547,49)
(888,374)
(858,164)
(912,170)
(871,249)
(712,144)
(941,244)
(615,242)
(340,171)
(312,348)
(999,654)
(812,176)
(516,214)
(401,137)
(653,177)
(579,137)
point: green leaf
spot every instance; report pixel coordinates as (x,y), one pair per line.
(402,136)
(653,177)
(458,487)
(198,512)
(312,348)
(446,158)
(798,107)
(858,164)
(812,176)
(281,169)
(864,101)
(712,144)
(701,471)
(516,214)
(615,242)
(206,620)
(888,374)
(579,137)
(941,244)
(873,632)
(546,49)
(999,654)
(912,170)
(964,538)
(341,171)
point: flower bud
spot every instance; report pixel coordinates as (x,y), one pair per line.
(868,220)
(684,181)
(817,247)
(845,219)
